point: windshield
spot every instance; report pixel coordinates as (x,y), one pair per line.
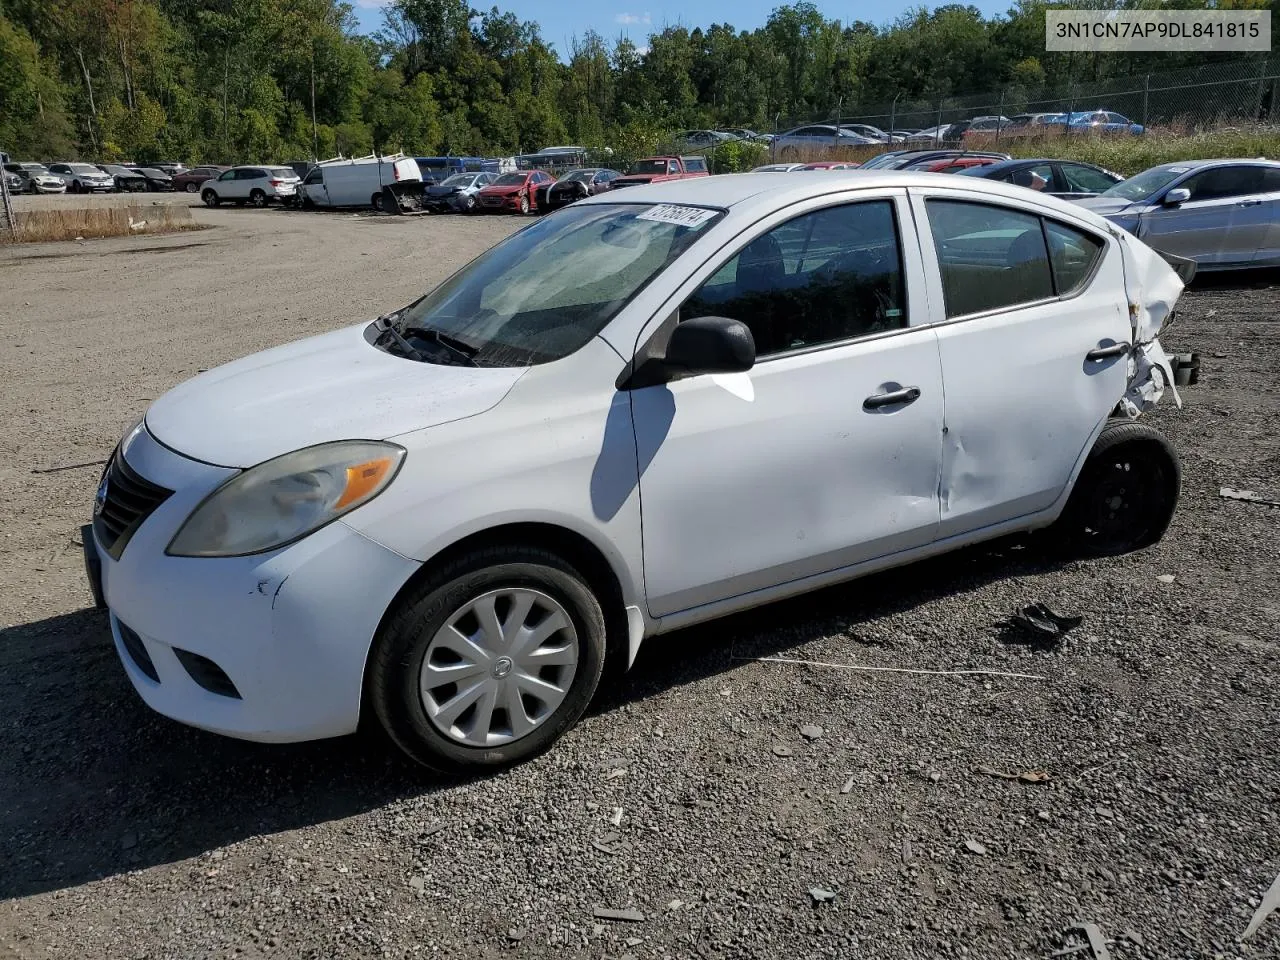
(882,161)
(459,180)
(1145,184)
(648,166)
(84,168)
(34,168)
(510,180)
(546,290)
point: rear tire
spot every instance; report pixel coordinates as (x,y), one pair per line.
(1125,496)
(258,198)
(407,660)
(193,187)
(210,198)
(377,202)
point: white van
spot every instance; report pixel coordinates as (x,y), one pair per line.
(357,182)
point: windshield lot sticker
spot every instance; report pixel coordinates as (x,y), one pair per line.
(680,216)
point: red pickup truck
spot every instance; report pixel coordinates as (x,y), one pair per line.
(659,169)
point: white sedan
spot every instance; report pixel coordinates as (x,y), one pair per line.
(783,383)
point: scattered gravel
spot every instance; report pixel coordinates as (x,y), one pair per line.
(730,830)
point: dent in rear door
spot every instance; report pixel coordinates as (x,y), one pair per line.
(1022,402)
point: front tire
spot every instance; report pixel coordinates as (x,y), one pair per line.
(1125,496)
(210,198)
(488,661)
(524,205)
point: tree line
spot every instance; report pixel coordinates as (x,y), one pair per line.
(255,80)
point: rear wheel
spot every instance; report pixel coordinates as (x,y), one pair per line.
(193,187)
(377,201)
(258,198)
(1125,496)
(489,660)
(210,198)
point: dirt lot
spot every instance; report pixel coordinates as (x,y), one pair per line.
(125,835)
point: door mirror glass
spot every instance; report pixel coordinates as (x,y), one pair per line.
(1176,196)
(710,345)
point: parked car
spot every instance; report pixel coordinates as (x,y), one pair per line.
(171,167)
(829,165)
(259,186)
(36,178)
(816,137)
(123,179)
(958,164)
(357,182)
(777,168)
(981,128)
(457,193)
(871,132)
(1068,179)
(1035,125)
(493,462)
(660,169)
(742,133)
(440,169)
(905,159)
(1104,121)
(943,133)
(12,182)
(83,177)
(156,180)
(1220,213)
(692,139)
(513,191)
(574,185)
(191,180)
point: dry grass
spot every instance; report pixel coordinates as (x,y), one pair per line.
(87,223)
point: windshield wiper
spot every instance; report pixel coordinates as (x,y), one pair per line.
(387,326)
(464,351)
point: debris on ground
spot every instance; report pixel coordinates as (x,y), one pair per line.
(1096,942)
(1166,578)
(1248,496)
(623,916)
(811,731)
(516,934)
(911,670)
(973,846)
(70,466)
(417,884)
(616,819)
(1134,937)
(782,750)
(821,895)
(606,843)
(1040,625)
(1268,905)
(848,785)
(1027,776)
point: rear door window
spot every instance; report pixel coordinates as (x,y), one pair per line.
(1080,179)
(1222,183)
(1073,254)
(990,257)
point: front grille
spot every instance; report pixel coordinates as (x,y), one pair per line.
(126,502)
(137,651)
(207,673)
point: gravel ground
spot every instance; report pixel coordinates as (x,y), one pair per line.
(691,793)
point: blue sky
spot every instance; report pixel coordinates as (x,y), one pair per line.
(638,18)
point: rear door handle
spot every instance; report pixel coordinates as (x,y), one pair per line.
(1106,353)
(1248,203)
(904,396)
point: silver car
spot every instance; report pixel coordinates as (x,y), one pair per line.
(1223,214)
(816,136)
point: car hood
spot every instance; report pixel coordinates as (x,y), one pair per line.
(1106,206)
(438,190)
(503,191)
(336,386)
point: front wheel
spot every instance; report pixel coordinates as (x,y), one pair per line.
(524,204)
(489,661)
(1125,496)
(210,198)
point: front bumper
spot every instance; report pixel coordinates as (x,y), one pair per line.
(289,630)
(508,202)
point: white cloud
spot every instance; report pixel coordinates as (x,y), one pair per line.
(372,4)
(643,51)
(629,19)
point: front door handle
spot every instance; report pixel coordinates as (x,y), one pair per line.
(897,397)
(1106,353)
(1248,203)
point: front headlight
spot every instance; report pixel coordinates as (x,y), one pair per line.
(283,500)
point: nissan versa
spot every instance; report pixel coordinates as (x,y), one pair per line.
(631,416)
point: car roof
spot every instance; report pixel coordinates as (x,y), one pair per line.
(747,190)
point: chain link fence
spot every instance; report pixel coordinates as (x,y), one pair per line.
(8,223)
(1195,100)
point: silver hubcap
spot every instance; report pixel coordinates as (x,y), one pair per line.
(499,668)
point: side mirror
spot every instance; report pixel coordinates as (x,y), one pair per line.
(700,345)
(710,345)
(1176,196)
